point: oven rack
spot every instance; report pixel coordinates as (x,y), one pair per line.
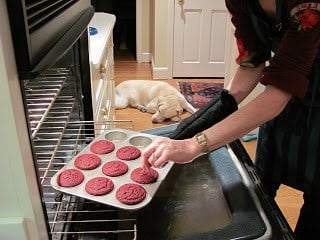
(42,92)
(57,134)
(55,143)
(71,217)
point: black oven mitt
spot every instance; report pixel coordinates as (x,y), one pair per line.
(218,108)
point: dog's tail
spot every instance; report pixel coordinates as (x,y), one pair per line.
(188,107)
(185,104)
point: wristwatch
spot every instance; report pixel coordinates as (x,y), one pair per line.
(202,140)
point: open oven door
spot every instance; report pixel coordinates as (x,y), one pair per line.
(217,196)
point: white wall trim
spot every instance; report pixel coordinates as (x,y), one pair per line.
(138,30)
(171,7)
(143,57)
(13,228)
(21,202)
(160,72)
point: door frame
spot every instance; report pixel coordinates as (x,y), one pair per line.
(138,30)
(141,56)
(171,10)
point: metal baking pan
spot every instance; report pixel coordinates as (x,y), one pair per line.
(120,137)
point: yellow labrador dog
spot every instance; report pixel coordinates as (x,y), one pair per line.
(152,96)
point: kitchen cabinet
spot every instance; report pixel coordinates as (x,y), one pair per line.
(102,66)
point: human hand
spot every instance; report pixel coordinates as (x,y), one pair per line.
(162,150)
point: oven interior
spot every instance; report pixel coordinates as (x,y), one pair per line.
(59,129)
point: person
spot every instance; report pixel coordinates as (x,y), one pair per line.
(278,43)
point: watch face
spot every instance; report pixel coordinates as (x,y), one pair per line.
(202,140)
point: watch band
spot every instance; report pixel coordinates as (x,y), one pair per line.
(202,140)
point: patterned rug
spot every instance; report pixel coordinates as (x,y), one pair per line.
(199,93)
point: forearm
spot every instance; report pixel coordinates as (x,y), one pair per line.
(244,81)
(221,105)
(263,108)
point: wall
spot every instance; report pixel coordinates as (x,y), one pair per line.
(146,26)
(20,210)
(153,31)
(144,30)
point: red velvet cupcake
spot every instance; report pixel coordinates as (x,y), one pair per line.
(128,153)
(131,193)
(102,147)
(115,168)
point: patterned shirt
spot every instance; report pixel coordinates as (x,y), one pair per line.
(298,46)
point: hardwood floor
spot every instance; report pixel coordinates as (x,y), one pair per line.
(288,199)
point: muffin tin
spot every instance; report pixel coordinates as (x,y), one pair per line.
(120,138)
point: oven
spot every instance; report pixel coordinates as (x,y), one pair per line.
(49,114)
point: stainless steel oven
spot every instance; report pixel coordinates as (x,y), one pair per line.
(47,114)
(46,118)
(47,77)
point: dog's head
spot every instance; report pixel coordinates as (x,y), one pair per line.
(168,108)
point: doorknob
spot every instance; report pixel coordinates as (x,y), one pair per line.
(181,2)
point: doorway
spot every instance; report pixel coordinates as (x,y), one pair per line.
(199,41)
(124,32)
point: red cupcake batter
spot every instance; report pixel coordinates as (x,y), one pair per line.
(128,153)
(70,178)
(87,161)
(131,193)
(99,186)
(102,147)
(115,168)
(147,175)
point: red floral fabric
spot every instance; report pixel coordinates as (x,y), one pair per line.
(242,52)
(308,18)
(289,67)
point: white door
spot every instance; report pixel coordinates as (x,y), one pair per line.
(200,33)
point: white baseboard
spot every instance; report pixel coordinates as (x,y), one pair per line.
(13,228)
(160,72)
(143,57)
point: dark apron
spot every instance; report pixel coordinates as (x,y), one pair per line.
(288,147)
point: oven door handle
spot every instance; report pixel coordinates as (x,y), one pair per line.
(62,46)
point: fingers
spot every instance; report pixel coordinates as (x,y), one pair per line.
(151,158)
(160,162)
(154,155)
(145,161)
(156,161)
(146,155)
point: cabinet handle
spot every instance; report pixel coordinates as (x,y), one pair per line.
(104,111)
(102,69)
(103,76)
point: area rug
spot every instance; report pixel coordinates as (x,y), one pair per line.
(199,93)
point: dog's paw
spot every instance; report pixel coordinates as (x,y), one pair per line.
(143,109)
(175,119)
